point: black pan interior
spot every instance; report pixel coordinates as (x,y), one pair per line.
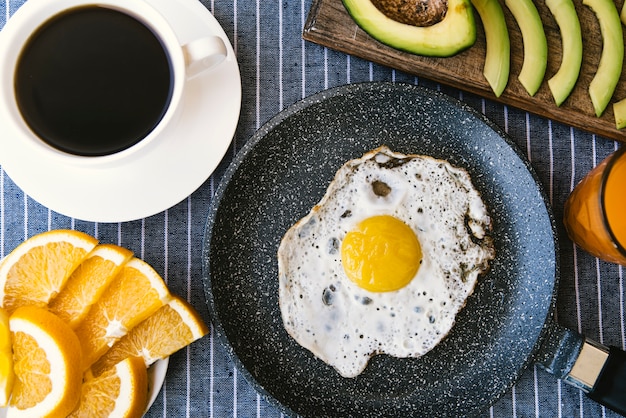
(285,169)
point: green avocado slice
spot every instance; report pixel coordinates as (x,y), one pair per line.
(454,33)
(619,112)
(498,55)
(563,81)
(619,108)
(535,44)
(609,70)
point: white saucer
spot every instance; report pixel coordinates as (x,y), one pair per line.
(165,175)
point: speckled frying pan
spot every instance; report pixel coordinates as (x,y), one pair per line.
(507,324)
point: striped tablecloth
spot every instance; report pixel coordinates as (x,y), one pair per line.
(278,68)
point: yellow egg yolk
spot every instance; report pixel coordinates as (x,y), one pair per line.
(382,254)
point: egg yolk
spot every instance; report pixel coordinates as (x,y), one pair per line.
(381,255)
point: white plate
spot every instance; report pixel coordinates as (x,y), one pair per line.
(156,376)
(165,175)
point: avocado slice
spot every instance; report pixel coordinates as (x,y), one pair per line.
(498,55)
(563,81)
(619,108)
(619,111)
(535,44)
(609,70)
(449,36)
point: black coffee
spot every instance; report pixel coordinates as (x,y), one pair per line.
(93,81)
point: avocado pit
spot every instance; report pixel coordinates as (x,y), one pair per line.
(419,13)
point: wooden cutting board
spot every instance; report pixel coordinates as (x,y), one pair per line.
(329,24)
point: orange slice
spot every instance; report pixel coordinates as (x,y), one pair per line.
(6,360)
(120,391)
(37,269)
(88,282)
(171,328)
(47,360)
(134,294)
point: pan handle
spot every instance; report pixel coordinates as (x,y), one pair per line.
(597,370)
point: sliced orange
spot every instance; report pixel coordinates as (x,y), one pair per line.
(47,361)
(134,294)
(88,282)
(120,391)
(6,360)
(171,328)
(37,269)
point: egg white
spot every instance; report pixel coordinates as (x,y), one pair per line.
(343,324)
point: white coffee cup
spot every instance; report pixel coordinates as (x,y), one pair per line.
(185,62)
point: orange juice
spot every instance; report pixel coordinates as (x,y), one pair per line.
(595,211)
(614,200)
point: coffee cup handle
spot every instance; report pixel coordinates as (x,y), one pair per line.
(203,54)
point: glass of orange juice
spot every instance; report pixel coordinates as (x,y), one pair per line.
(595,212)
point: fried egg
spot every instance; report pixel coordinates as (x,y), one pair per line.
(385,261)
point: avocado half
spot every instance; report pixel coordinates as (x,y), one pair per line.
(451,35)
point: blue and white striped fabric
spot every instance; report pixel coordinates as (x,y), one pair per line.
(278,68)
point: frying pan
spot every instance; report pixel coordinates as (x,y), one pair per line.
(507,323)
